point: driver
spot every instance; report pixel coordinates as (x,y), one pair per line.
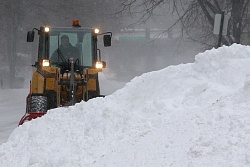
(65,51)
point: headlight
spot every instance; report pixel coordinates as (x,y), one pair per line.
(45,63)
(98,64)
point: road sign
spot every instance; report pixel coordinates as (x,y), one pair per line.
(217,23)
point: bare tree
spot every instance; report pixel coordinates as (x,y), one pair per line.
(196,16)
(11,18)
(18,17)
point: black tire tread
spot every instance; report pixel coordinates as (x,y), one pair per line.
(38,103)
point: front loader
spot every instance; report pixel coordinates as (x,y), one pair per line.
(65,80)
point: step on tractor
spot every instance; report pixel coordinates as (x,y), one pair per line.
(66,68)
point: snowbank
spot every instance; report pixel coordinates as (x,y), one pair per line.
(191,115)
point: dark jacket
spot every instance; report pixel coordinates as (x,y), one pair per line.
(62,54)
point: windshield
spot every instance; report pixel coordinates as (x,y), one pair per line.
(65,43)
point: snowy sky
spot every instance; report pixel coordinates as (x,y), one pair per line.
(192,115)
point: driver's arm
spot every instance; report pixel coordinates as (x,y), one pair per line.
(57,56)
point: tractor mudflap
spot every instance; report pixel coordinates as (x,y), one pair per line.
(30,116)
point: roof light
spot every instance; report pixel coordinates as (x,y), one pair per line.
(46,29)
(97,30)
(76,23)
(45,63)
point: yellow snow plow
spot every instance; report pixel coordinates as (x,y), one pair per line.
(67,68)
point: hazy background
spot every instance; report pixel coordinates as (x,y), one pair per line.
(140,43)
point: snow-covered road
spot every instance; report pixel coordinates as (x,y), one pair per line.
(12,108)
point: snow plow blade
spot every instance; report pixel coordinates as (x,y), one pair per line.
(29,117)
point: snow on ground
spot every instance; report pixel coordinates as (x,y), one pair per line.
(13,103)
(190,115)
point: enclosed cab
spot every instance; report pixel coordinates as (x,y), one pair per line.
(66,69)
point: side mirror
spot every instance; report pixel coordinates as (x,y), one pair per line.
(30,36)
(107,40)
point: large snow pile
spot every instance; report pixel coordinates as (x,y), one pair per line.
(188,115)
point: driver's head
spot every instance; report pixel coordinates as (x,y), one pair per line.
(65,40)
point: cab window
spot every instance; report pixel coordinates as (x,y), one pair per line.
(64,44)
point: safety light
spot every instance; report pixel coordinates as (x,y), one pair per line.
(46,29)
(99,65)
(97,30)
(45,63)
(76,23)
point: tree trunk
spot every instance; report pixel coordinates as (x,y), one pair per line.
(11,53)
(13,22)
(237,7)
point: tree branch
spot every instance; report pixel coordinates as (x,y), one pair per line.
(208,16)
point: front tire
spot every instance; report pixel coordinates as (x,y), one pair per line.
(38,103)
